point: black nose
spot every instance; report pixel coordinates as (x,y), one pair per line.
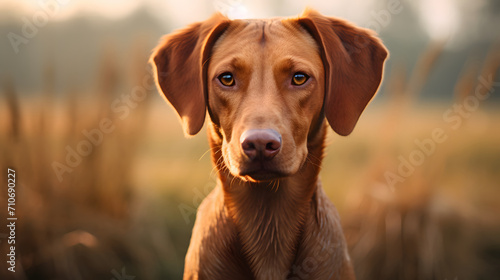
(261,144)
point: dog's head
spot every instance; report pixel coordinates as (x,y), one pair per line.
(268,84)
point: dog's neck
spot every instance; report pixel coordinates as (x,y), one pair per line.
(269,215)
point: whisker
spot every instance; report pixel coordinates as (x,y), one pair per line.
(312,162)
(217,166)
(312,157)
(209,150)
(277,185)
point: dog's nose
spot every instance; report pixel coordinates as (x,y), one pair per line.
(260,143)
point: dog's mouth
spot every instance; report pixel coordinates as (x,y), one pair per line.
(259,172)
(255,171)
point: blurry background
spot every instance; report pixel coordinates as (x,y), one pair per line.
(107,186)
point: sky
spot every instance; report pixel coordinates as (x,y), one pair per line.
(463,23)
(441,19)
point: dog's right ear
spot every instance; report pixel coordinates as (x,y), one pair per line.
(180,63)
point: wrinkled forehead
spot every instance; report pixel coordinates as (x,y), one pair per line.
(249,39)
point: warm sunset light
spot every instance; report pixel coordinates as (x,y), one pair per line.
(158,139)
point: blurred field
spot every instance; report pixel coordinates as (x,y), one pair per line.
(128,207)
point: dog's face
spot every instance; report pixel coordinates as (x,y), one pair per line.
(265,83)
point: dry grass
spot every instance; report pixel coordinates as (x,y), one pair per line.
(86,225)
(119,208)
(439,223)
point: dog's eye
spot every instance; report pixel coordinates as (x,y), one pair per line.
(226,79)
(299,79)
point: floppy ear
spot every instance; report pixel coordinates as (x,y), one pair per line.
(180,63)
(353,60)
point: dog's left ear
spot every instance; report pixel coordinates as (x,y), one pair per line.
(180,63)
(353,60)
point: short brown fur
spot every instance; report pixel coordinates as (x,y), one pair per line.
(269,220)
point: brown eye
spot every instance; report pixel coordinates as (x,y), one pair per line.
(299,79)
(226,79)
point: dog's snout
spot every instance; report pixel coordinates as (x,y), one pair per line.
(261,144)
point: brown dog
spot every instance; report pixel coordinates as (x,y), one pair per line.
(267,86)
